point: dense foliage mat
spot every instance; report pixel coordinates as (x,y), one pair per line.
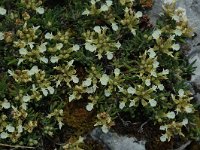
(70,65)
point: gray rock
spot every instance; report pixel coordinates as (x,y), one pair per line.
(115,142)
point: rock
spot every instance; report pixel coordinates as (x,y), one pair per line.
(115,142)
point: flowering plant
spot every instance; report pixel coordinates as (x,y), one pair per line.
(101,54)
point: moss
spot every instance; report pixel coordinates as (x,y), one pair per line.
(76,116)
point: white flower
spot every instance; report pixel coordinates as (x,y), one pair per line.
(156,34)
(104,128)
(76,47)
(59,46)
(34,70)
(75,79)
(60,124)
(109,3)
(31,44)
(89,106)
(148,82)
(70,63)
(54,59)
(163,138)
(132,103)
(155,64)
(42,48)
(23,51)
(154,87)
(185,122)
(50,89)
(133,31)
(188,109)
(161,87)
(107,93)
(4,135)
(151,52)
(171,115)
(90,47)
(178,32)
(1,35)
(163,128)
(152,102)
(117,72)
(93,2)
(24,106)
(122,105)
(5,104)
(109,55)
(165,71)
(114,26)
(87,82)
(44,59)
(138,14)
(181,93)
(49,36)
(26,98)
(153,73)
(118,45)
(10,128)
(92,89)
(104,79)
(71,97)
(20,128)
(131,90)
(20,61)
(40,10)
(86,12)
(176,47)
(176,18)
(2,11)
(120,89)
(104,7)
(97,29)
(11,73)
(44,91)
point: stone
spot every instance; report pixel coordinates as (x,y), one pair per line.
(113,141)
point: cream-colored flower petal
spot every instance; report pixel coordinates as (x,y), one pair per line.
(117,72)
(87,82)
(115,26)
(75,79)
(156,34)
(152,102)
(44,60)
(23,51)
(2,11)
(97,29)
(104,79)
(109,55)
(76,47)
(26,98)
(89,106)
(10,128)
(171,115)
(6,104)
(40,10)
(54,59)
(122,105)
(131,90)
(1,36)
